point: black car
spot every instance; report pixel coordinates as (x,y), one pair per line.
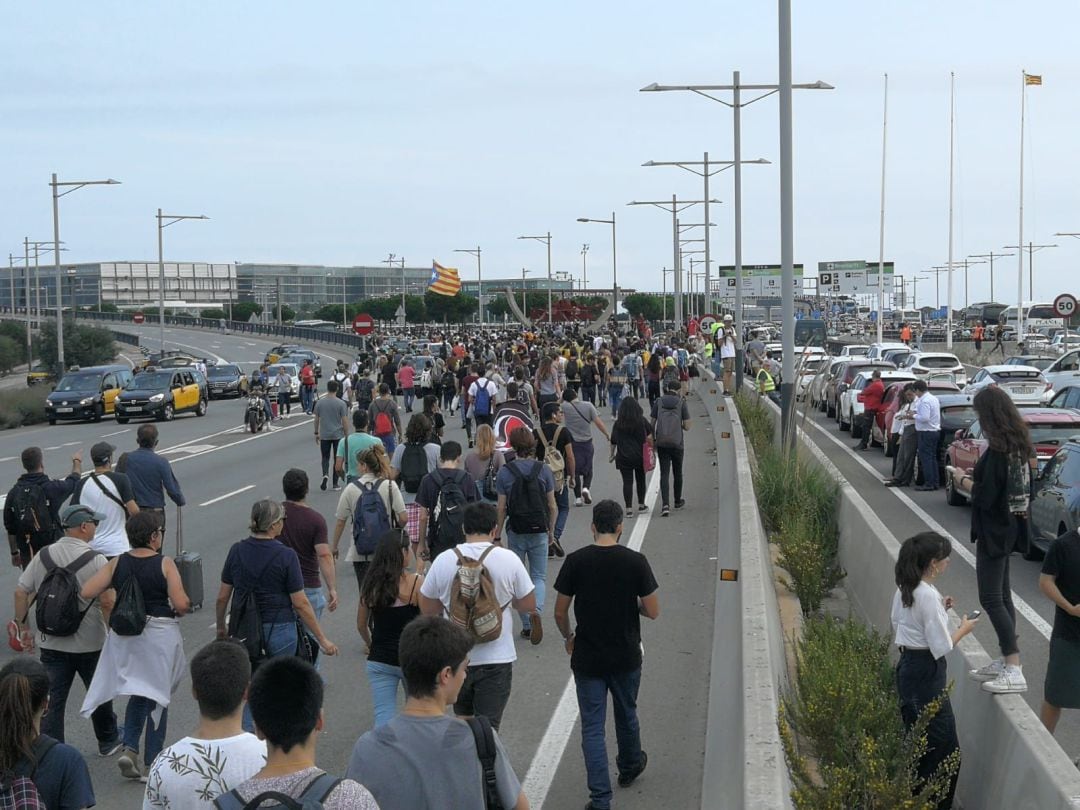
(86,393)
(298,356)
(226,380)
(161,394)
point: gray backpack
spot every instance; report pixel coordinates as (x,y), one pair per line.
(668,429)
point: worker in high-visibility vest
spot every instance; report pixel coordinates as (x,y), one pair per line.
(766,386)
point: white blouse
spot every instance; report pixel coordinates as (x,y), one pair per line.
(924,625)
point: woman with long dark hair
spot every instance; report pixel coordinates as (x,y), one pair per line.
(652,377)
(434,413)
(59,771)
(629,435)
(921,627)
(389,600)
(547,383)
(999,502)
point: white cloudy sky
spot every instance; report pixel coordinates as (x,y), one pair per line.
(338,132)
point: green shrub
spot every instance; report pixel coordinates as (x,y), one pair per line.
(756,421)
(11,354)
(209,314)
(806,555)
(24,406)
(845,709)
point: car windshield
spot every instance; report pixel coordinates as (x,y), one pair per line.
(1056,435)
(273,370)
(151,381)
(938,362)
(91,381)
(958,414)
(222,372)
(812,365)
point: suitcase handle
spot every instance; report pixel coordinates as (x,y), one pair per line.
(179,531)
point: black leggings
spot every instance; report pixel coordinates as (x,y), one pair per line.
(628,476)
(995,596)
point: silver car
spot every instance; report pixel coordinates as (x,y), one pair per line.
(1055,505)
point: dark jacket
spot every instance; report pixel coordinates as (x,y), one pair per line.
(151,477)
(992,524)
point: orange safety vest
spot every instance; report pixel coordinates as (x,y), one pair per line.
(905,333)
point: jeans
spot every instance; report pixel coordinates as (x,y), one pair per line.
(485,691)
(671,459)
(588,393)
(653,388)
(995,596)
(592,692)
(628,476)
(635,387)
(280,639)
(62,667)
(562,501)
(307,398)
(318,604)
(410,398)
(388,443)
(583,466)
(904,460)
(136,718)
(921,678)
(284,403)
(328,448)
(615,395)
(532,549)
(447,398)
(866,426)
(928,456)
(384,680)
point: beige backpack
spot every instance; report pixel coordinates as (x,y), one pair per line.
(473,604)
(553,457)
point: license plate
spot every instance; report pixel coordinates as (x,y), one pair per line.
(133,408)
(1022,389)
(65,410)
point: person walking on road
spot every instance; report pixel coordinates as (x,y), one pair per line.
(629,435)
(308,383)
(670,419)
(1001,483)
(615,384)
(610,587)
(579,418)
(151,475)
(283,386)
(384,419)
(927,413)
(108,493)
(353,445)
(922,633)
(870,397)
(484,462)
(305,533)
(65,656)
(556,445)
(406,380)
(727,340)
(32,507)
(331,425)
(546,382)
(441,502)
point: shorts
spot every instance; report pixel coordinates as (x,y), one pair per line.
(412,525)
(729,363)
(1062,685)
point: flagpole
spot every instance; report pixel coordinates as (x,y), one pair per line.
(949,263)
(881,234)
(1020,331)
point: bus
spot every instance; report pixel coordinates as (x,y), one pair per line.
(910,316)
(985,313)
(1037,316)
(810,332)
(316,324)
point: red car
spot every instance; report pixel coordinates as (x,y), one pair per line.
(881,430)
(1050,429)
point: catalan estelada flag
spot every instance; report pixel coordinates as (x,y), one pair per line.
(444,280)
(1029,79)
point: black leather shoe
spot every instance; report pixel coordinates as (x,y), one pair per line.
(627,778)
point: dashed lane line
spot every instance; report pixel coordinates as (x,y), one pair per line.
(227,495)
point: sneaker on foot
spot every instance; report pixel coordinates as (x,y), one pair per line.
(989,672)
(556,549)
(642,508)
(665,511)
(578,502)
(325,481)
(128,763)
(679,504)
(586,494)
(336,487)
(107,749)
(526,632)
(536,629)
(1010,681)
(627,778)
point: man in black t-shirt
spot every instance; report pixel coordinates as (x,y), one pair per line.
(611,588)
(1060,582)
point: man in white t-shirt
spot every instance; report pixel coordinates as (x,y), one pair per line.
(727,354)
(108,493)
(219,755)
(488,677)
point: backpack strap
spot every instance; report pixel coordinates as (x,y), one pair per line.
(234,801)
(484,738)
(107,492)
(38,751)
(320,788)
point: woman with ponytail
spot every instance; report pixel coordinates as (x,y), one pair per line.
(922,634)
(58,771)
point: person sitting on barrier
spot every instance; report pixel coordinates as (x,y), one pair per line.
(766,385)
(922,634)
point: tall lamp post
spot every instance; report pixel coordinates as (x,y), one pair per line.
(614,264)
(991,256)
(69,186)
(584,268)
(524,291)
(163,222)
(479,280)
(546,239)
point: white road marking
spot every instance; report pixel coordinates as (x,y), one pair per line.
(1022,607)
(8,458)
(189,448)
(227,495)
(107,435)
(130,361)
(549,753)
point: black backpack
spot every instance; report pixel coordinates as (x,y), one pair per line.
(365,390)
(245,625)
(486,751)
(414,464)
(313,797)
(57,599)
(448,516)
(128,617)
(33,519)
(528,507)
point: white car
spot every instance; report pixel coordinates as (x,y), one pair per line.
(1063,371)
(877,349)
(816,392)
(808,371)
(939,365)
(1063,343)
(294,374)
(850,407)
(854,350)
(1025,385)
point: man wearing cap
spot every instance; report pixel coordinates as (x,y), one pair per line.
(107,493)
(151,475)
(64,657)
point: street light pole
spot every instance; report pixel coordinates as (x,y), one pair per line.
(991,256)
(614,262)
(524,290)
(161,226)
(479,281)
(584,267)
(546,239)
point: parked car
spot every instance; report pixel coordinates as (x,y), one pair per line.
(890,404)
(1050,429)
(936,364)
(162,393)
(877,349)
(298,356)
(816,393)
(1025,385)
(1055,502)
(1064,371)
(844,378)
(280,351)
(1067,397)
(850,401)
(294,373)
(854,350)
(1039,361)
(156,359)
(807,373)
(1064,342)
(226,380)
(86,393)
(896,356)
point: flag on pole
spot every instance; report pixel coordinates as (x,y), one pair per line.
(1029,79)
(444,280)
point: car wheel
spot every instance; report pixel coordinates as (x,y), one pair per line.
(166,413)
(201,410)
(52,421)
(121,420)
(856,429)
(99,412)
(830,409)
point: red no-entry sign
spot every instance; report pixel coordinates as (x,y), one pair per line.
(363,324)
(138,317)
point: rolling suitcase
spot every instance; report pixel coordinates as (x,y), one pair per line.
(189,564)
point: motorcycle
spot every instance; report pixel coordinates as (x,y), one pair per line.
(255,415)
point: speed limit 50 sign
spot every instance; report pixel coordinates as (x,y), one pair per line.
(1065,305)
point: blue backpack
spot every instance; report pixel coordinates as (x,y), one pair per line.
(370,520)
(482,403)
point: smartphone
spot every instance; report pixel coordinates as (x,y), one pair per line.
(974,615)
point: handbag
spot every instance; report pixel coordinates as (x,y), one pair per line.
(307,648)
(648,456)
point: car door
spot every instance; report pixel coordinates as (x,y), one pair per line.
(177,389)
(1048,510)
(966,450)
(110,388)
(190,389)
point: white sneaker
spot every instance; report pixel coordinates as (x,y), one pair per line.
(990,672)
(578,502)
(586,494)
(1010,681)
(128,762)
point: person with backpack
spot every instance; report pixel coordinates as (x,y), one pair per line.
(308,383)
(71,629)
(448,387)
(589,378)
(482,399)
(610,588)
(353,444)
(36,771)
(143,655)
(218,754)
(108,493)
(363,390)
(370,501)
(270,604)
(441,499)
(629,435)
(389,600)
(291,739)
(580,418)
(484,461)
(556,447)
(615,384)
(412,460)
(427,378)
(527,506)
(432,411)
(670,419)
(32,508)
(477,584)
(464,762)
(384,418)
(573,372)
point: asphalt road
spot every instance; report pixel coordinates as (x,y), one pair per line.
(908,512)
(222,470)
